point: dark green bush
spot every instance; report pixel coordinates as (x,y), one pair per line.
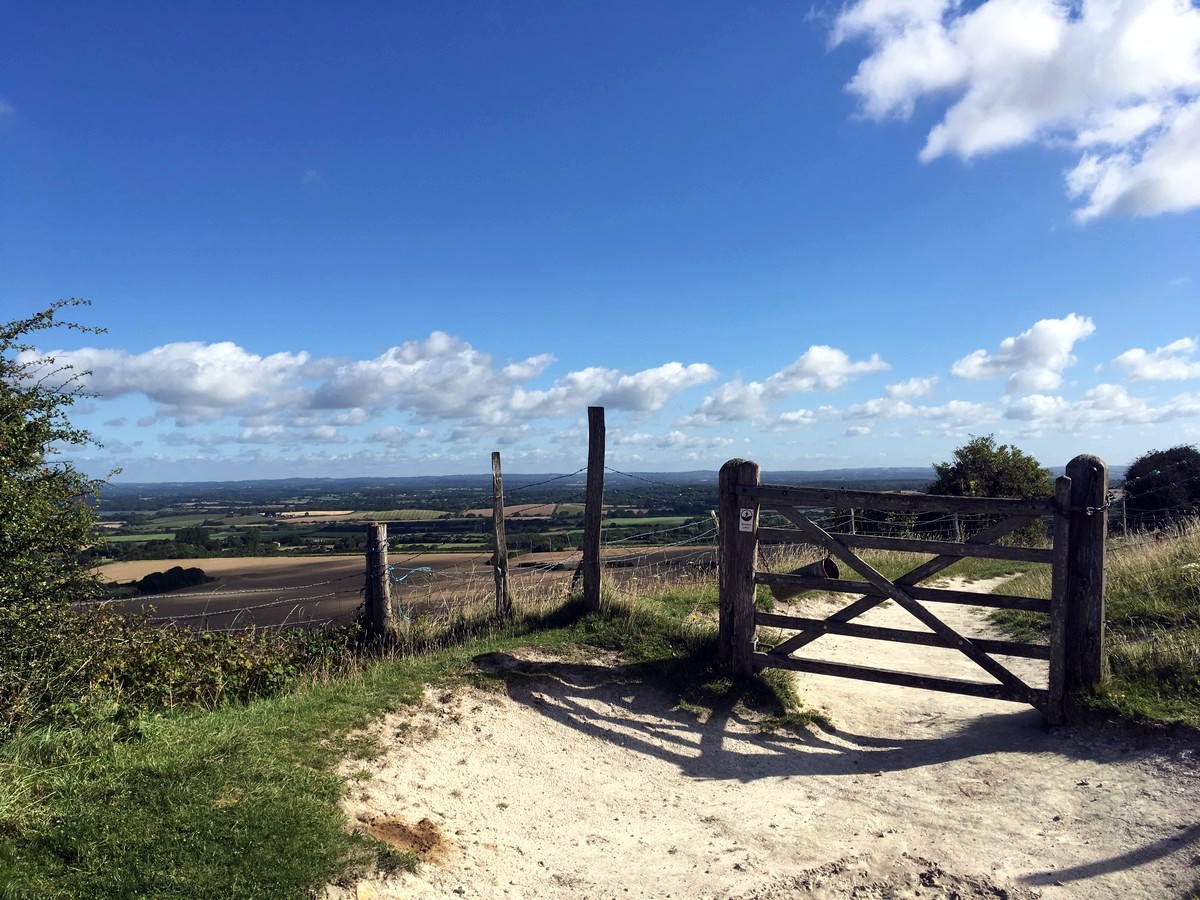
(79,666)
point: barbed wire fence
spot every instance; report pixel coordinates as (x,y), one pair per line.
(636,559)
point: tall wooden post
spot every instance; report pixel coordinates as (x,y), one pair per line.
(1059,581)
(593,509)
(1086,661)
(500,559)
(738,552)
(379,599)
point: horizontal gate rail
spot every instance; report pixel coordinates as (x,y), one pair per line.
(931,595)
(767,534)
(898,635)
(1036,697)
(780,495)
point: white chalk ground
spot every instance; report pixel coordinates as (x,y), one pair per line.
(574,782)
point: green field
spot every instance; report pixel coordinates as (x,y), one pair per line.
(648,520)
(180,521)
(132,538)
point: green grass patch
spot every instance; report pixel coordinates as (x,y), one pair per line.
(183,521)
(649,521)
(1152,626)
(139,538)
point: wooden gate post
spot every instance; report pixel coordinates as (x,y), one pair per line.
(500,558)
(378,599)
(1059,580)
(738,552)
(593,508)
(1086,663)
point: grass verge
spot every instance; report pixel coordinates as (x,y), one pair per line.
(1152,627)
(241,801)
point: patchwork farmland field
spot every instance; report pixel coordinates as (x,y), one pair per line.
(295,590)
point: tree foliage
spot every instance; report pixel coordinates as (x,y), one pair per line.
(981,468)
(45,519)
(1164,484)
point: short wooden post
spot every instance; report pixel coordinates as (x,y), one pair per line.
(593,508)
(500,558)
(1059,579)
(1087,664)
(738,552)
(379,599)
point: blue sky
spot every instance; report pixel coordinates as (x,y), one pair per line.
(387,239)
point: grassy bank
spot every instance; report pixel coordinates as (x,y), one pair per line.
(1152,624)
(240,800)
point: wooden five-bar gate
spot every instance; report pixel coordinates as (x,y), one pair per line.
(1074,654)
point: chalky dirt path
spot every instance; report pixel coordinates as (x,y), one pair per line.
(574,781)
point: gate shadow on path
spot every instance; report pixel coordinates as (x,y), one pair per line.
(614,704)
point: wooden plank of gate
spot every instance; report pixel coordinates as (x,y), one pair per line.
(930,594)
(898,635)
(1035,697)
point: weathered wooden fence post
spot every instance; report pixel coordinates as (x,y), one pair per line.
(500,559)
(738,551)
(1059,580)
(378,595)
(593,509)
(1086,663)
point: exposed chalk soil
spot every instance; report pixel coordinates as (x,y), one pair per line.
(575,782)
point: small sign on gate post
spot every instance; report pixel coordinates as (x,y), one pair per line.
(745,520)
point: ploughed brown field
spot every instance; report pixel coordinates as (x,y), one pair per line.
(287,590)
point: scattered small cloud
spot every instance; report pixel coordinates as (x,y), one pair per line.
(392,435)
(311,177)
(820,368)
(911,389)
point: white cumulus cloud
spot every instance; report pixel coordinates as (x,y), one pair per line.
(645,391)
(819,368)
(1107,405)
(911,389)
(439,377)
(1173,362)
(1033,360)
(1119,80)
(188,378)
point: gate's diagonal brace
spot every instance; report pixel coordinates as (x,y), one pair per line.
(915,576)
(896,593)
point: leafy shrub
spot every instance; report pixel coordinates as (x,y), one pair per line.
(82,666)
